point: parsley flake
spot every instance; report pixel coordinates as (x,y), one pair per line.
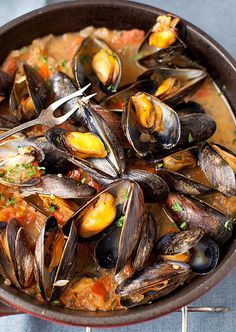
(2,197)
(56,302)
(126,195)
(190,137)
(10,202)
(229,224)
(183,226)
(176,207)
(52,208)
(119,222)
(83,181)
(159,165)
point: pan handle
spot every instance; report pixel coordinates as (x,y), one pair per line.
(5,310)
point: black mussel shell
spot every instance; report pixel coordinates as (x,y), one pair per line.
(198,215)
(62,86)
(204,256)
(83,69)
(187,80)
(117,101)
(31,85)
(154,187)
(178,243)
(183,184)
(51,270)
(216,168)
(167,133)
(150,55)
(60,186)
(147,241)
(120,244)
(16,257)
(152,282)
(189,107)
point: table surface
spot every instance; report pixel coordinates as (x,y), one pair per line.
(217,18)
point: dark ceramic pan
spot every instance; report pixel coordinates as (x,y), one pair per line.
(73,16)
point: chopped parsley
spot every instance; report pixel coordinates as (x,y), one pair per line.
(126,49)
(2,197)
(234,140)
(36,67)
(159,165)
(176,207)
(111,88)
(83,181)
(183,226)
(56,302)
(113,305)
(119,222)
(45,58)
(10,202)
(229,224)
(52,208)
(190,137)
(125,195)
(135,57)
(63,63)
(23,50)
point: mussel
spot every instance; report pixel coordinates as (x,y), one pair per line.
(117,101)
(60,186)
(152,283)
(55,256)
(219,166)
(16,257)
(117,246)
(174,84)
(95,62)
(198,215)
(183,184)
(28,96)
(162,40)
(97,151)
(19,163)
(146,115)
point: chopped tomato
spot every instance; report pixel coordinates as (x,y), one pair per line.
(44,71)
(58,215)
(8,213)
(99,288)
(10,65)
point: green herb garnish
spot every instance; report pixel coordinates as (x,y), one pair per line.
(23,50)
(45,58)
(176,207)
(119,222)
(113,305)
(234,140)
(190,137)
(229,224)
(126,49)
(135,57)
(36,67)
(52,208)
(183,226)
(56,302)
(63,63)
(125,195)
(159,165)
(2,197)
(83,181)
(111,88)
(10,201)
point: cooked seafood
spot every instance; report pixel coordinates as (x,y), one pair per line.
(135,193)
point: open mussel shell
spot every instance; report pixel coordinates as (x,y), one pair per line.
(117,247)
(183,184)
(62,86)
(28,96)
(178,243)
(154,187)
(147,241)
(174,84)
(204,256)
(219,166)
(16,258)
(60,186)
(55,256)
(152,283)
(96,63)
(195,128)
(155,53)
(198,215)
(16,163)
(117,101)
(100,169)
(5,84)
(162,124)
(189,107)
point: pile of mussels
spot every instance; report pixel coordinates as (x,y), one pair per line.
(154,123)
